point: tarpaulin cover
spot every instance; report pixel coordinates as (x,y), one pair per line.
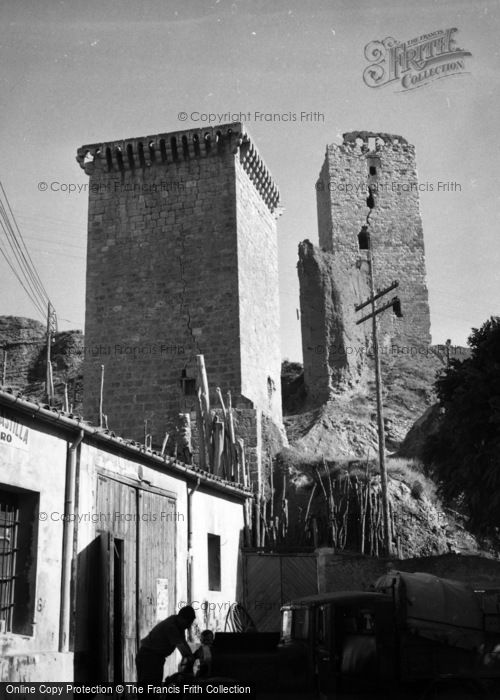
(436,608)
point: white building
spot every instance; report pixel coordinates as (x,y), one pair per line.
(99,540)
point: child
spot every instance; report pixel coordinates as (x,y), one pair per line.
(202,665)
(203,655)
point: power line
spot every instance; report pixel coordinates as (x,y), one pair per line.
(72,230)
(55,220)
(21,263)
(19,257)
(59,253)
(32,292)
(25,255)
(57,242)
(34,301)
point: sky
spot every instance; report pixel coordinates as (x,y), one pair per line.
(75,73)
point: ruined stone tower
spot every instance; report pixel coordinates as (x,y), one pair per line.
(331,279)
(182,260)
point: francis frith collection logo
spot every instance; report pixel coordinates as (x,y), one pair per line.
(414,63)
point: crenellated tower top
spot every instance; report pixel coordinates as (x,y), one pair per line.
(167,149)
(372,141)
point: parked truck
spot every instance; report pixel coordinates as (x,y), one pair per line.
(411,635)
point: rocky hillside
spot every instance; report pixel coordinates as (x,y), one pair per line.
(333,491)
(345,427)
(23,356)
(338,504)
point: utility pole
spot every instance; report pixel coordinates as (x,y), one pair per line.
(51,326)
(365,244)
(4,367)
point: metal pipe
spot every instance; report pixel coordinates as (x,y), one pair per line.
(190,494)
(67,547)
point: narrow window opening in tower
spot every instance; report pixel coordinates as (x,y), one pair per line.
(163,151)
(373,166)
(130,156)
(188,384)
(109,159)
(185,147)
(151,147)
(119,157)
(173,145)
(140,150)
(364,239)
(371,143)
(208,144)
(220,141)
(196,144)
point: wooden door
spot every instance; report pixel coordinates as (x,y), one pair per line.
(156,552)
(119,577)
(135,577)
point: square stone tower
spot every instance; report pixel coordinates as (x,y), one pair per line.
(182,260)
(334,278)
(385,164)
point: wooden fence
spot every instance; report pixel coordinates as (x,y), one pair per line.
(272,579)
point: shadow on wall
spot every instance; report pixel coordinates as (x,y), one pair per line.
(293,390)
(90,663)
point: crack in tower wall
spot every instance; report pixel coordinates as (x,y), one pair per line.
(386,164)
(184,301)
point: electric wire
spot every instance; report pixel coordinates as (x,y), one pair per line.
(21,245)
(23,267)
(34,302)
(19,259)
(16,267)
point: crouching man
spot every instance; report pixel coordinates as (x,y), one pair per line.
(164,638)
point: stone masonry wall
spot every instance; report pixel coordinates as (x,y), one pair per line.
(335,279)
(333,346)
(387,164)
(164,276)
(258,285)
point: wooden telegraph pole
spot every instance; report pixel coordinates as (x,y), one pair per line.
(4,366)
(51,326)
(396,306)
